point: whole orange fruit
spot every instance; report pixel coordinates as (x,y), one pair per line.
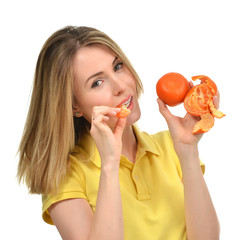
(172,88)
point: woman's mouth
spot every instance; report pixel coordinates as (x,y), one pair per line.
(128,102)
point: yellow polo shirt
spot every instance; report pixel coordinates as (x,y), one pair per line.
(151,189)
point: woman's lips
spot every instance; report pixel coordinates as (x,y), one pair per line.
(126,101)
(130,106)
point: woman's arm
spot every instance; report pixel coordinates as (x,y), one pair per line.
(74,218)
(201,219)
(108,218)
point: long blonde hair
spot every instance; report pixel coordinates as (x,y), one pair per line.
(51,132)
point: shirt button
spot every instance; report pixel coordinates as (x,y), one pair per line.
(136,177)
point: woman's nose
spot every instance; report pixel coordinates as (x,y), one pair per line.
(119,86)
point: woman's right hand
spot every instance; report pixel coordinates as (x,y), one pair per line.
(108,141)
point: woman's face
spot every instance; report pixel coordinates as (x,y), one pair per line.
(101,79)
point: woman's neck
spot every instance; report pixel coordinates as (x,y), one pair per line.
(129,143)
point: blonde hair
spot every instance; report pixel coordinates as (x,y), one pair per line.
(51,132)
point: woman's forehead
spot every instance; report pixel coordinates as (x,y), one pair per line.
(92,59)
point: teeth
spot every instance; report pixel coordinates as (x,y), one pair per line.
(127,103)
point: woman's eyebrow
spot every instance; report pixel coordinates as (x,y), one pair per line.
(99,73)
(92,76)
(116,58)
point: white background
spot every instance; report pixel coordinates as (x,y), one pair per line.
(189,37)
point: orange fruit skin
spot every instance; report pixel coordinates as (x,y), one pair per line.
(208,81)
(199,102)
(205,124)
(172,88)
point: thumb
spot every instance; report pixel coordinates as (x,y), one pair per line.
(119,127)
(216,100)
(165,111)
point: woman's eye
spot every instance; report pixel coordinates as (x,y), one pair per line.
(118,66)
(96,83)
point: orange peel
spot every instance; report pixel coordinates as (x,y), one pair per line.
(199,102)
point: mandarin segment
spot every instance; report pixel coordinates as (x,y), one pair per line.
(196,101)
(124,112)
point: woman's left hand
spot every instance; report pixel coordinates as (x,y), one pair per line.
(181,130)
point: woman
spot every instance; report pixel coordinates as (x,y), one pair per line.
(101,177)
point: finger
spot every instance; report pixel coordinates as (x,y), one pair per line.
(191,84)
(99,119)
(113,113)
(216,100)
(119,127)
(164,110)
(104,110)
(99,112)
(193,119)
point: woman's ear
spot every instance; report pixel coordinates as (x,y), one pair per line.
(76,112)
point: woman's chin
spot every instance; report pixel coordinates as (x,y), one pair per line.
(133,117)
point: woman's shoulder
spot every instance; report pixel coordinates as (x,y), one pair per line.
(71,186)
